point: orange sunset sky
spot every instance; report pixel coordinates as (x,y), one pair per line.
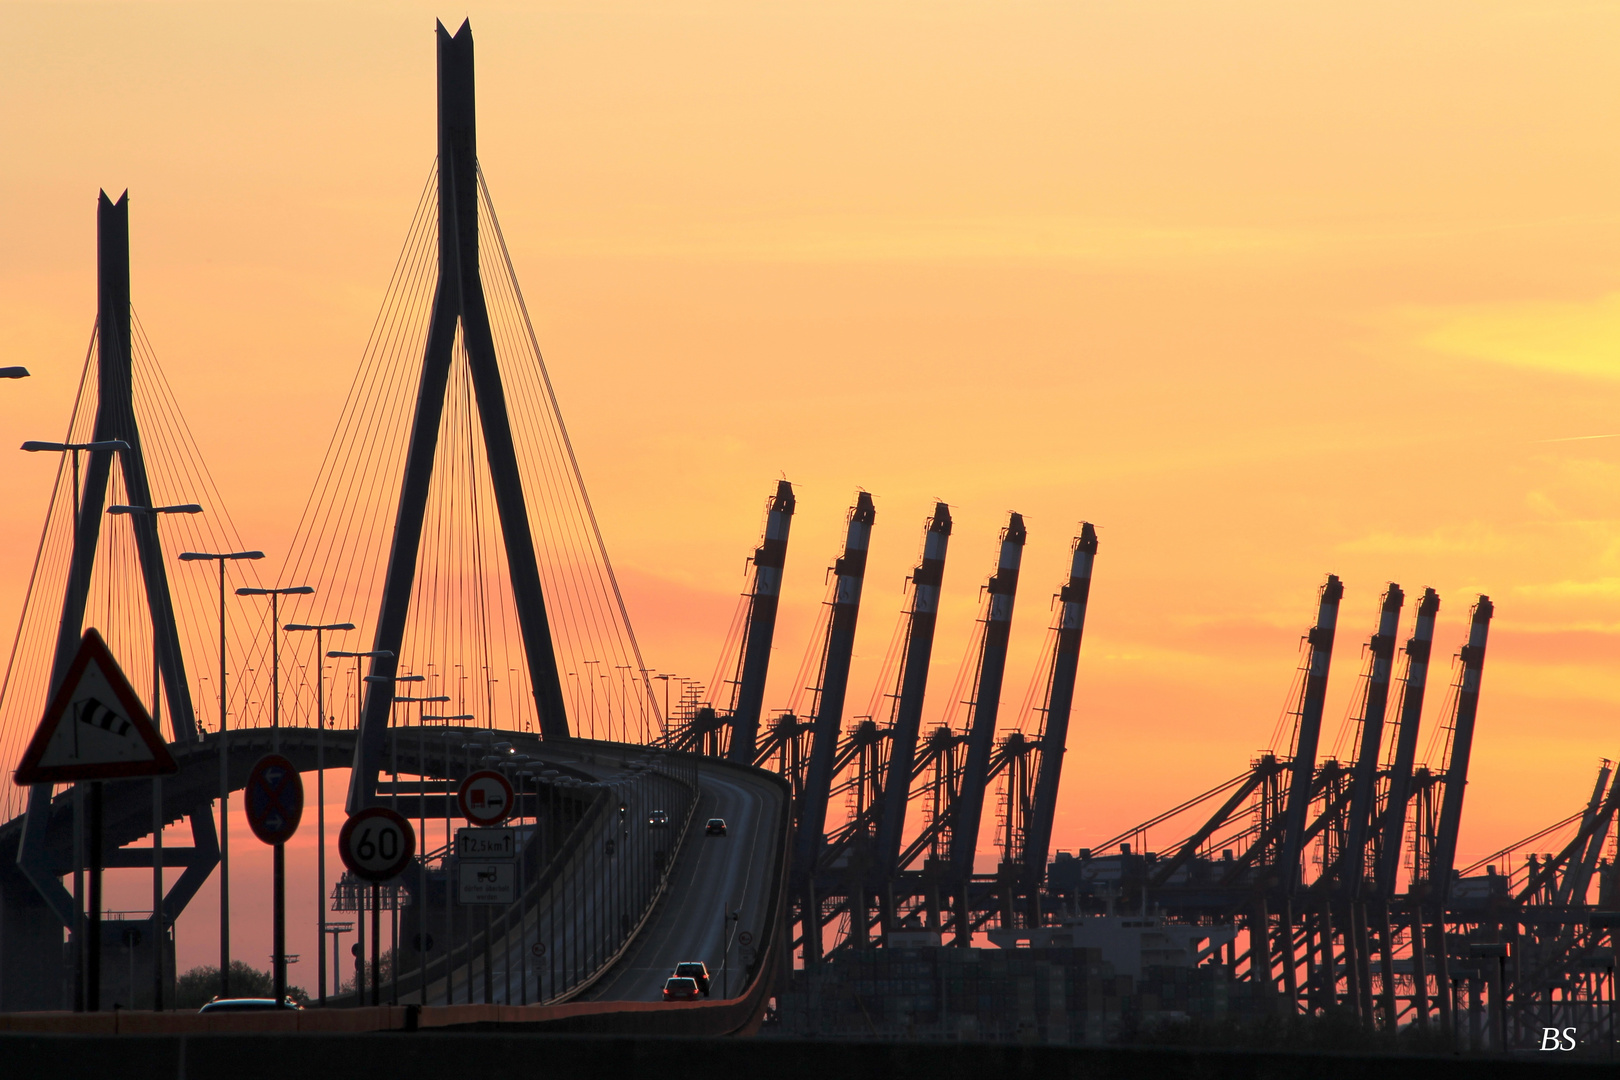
(1265,290)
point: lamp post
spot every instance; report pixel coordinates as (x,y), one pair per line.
(157,781)
(376,894)
(275,596)
(449,885)
(34,446)
(665,718)
(393,750)
(624,701)
(320,791)
(359,710)
(421,831)
(224,770)
(278,872)
(337,930)
(13,373)
(590,678)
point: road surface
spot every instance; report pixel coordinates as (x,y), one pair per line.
(712,875)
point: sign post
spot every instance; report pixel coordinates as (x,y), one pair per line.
(274,801)
(376,844)
(95,728)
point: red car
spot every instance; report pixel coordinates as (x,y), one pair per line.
(677,989)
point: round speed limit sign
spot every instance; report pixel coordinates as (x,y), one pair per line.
(376,844)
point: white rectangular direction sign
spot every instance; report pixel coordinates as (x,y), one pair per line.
(487,883)
(486,845)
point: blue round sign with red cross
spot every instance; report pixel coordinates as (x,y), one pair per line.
(274,799)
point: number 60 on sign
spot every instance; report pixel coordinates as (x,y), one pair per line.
(376,844)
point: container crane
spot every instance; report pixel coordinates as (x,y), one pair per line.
(968,807)
(850,572)
(1052,742)
(926,581)
(1352,863)
(769,558)
(1391,824)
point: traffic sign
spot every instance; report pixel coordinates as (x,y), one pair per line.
(746,937)
(486,883)
(486,845)
(107,734)
(537,950)
(274,799)
(376,844)
(485,797)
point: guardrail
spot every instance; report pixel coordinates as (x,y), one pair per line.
(583,906)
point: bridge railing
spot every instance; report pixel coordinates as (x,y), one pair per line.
(582,896)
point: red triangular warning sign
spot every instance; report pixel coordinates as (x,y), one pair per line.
(95,728)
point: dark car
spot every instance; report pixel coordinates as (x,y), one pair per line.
(696,971)
(680,989)
(248,1005)
(715,827)
(658,819)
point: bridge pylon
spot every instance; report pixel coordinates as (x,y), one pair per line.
(45,850)
(458,302)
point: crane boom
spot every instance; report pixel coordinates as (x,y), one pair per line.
(850,571)
(969,804)
(1312,695)
(926,581)
(1059,701)
(1393,825)
(1462,745)
(1364,782)
(769,558)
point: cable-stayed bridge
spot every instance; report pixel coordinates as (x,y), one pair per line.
(454,609)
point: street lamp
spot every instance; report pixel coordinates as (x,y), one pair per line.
(421,824)
(359,687)
(624,702)
(35,446)
(275,596)
(13,373)
(725,945)
(279,854)
(665,680)
(393,751)
(222,557)
(157,781)
(359,705)
(320,789)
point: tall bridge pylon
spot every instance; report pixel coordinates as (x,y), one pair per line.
(44,854)
(458,303)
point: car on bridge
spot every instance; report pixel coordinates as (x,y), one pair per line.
(658,819)
(680,989)
(715,827)
(248,1005)
(695,970)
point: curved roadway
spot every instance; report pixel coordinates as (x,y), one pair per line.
(712,875)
